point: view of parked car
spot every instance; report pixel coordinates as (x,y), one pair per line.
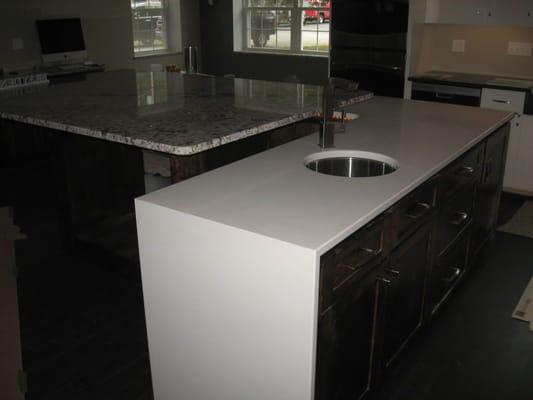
(319,15)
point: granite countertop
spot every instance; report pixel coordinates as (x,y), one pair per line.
(273,194)
(168,112)
(475,80)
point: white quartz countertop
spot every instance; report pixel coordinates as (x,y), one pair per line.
(274,195)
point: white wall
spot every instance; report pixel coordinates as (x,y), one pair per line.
(485,51)
(106,24)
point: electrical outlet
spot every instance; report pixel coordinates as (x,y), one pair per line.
(18,44)
(519,49)
(458,45)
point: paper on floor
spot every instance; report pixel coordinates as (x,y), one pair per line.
(524,309)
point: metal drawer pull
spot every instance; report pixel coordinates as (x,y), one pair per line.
(440,96)
(456,272)
(502,101)
(393,271)
(384,280)
(418,210)
(374,252)
(463,171)
(459,219)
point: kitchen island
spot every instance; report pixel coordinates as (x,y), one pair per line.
(170,113)
(95,128)
(264,279)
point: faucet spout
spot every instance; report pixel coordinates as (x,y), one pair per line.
(327,125)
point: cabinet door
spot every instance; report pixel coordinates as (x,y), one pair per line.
(520,158)
(404,296)
(510,12)
(447,270)
(10,346)
(346,336)
(455,216)
(474,12)
(513,168)
(488,196)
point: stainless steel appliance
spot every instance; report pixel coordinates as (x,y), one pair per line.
(368,43)
(446,94)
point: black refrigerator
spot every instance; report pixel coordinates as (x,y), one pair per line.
(368,43)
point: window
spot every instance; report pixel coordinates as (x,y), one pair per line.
(150,20)
(292,26)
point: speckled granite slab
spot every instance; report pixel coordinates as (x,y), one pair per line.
(168,112)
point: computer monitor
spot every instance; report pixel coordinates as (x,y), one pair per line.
(61,40)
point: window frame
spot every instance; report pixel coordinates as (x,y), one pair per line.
(296,29)
(165,7)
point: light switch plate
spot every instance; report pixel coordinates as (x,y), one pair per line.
(519,49)
(18,44)
(458,45)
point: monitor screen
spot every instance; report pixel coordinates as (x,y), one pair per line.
(60,35)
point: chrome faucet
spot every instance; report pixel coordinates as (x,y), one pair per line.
(327,125)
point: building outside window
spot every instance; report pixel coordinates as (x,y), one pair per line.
(150,20)
(292,26)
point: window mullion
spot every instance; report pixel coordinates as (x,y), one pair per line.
(296,27)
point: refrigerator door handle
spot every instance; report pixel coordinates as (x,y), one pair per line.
(384,67)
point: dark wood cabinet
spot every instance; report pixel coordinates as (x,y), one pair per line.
(351,258)
(386,281)
(455,216)
(489,190)
(404,294)
(447,271)
(346,338)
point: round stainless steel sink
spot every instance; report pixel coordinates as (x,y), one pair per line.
(351,163)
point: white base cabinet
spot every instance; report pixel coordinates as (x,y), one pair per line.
(519,167)
(518,176)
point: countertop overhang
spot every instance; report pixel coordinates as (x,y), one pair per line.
(167,112)
(275,195)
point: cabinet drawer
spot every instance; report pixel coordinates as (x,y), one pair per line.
(464,171)
(413,209)
(506,100)
(447,271)
(349,259)
(455,217)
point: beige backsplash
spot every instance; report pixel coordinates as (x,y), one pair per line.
(486,50)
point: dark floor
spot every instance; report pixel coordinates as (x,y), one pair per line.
(474,349)
(82,318)
(84,335)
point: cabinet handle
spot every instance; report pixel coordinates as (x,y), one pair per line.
(393,271)
(418,210)
(456,272)
(502,101)
(442,97)
(459,219)
(383,280)
(374,252)
(464,171)
(488,171)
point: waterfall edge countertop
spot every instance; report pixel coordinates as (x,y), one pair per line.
(167,112)
(273,194)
